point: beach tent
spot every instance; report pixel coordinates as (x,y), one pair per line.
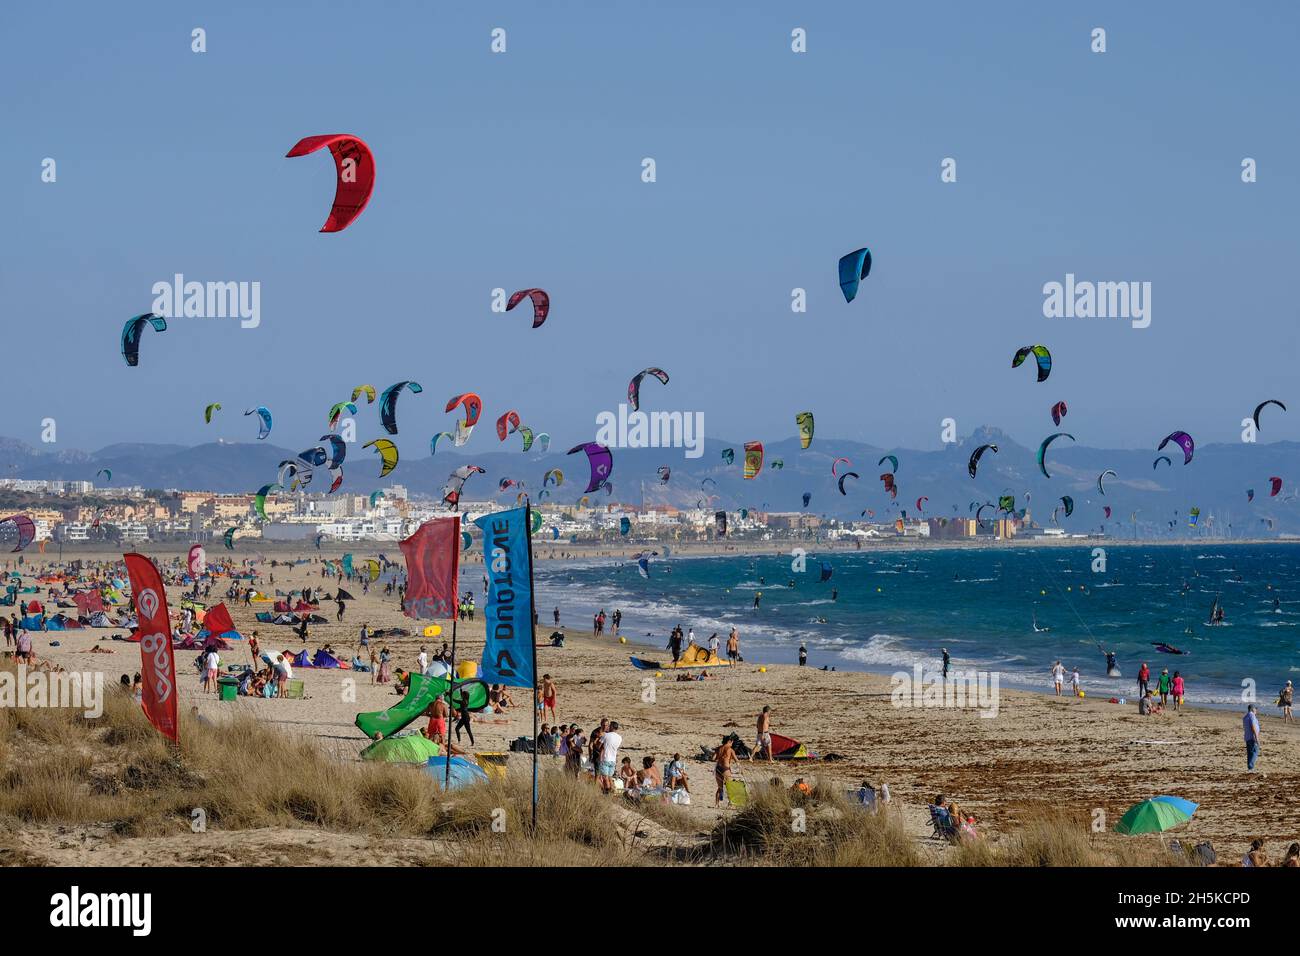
(321,659)
(302,660)
(787,748)
(29,623)
(412,748)
(464,772)
(264,617)
(33,607)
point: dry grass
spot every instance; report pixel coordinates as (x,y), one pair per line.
(834,832)
(1056,838)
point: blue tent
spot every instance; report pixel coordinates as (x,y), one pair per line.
(321,659)
(32,622)
(464,772)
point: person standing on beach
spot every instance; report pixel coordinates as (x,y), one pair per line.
(437,729)
(255,649)
(1250,726)
(946,661)
(422,659)
(609,744)
(763,737)
(803,654)
(1058,676)
(461,714)
(733,646)
(713,645)
(1179,686)
(1075,681)
(675,643)
(1284,700)
(342,606)
(548,696)
(1163,686)
(557,616)
(724,759)
(1144,679)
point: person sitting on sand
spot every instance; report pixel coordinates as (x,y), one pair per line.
(1256,856)
(648,778)
(676,774)
(99,650)
(627,774)
(800,789)
(1292,857)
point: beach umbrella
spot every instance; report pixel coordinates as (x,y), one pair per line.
(413,748)
(1152,816)
(1186,806)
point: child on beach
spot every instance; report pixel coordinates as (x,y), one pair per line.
(1178,687)
(1074,683)
(548,696)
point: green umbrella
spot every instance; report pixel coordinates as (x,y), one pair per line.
(413,748)
(1152,816)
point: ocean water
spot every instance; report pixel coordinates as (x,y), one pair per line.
(897,610)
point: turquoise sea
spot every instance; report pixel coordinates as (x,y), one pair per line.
(894,610)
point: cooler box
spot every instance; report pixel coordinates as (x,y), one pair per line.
(228,688)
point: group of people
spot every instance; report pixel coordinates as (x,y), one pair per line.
(598,621)
(1166,686)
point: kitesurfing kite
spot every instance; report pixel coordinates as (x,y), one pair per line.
(1260,407)
(975,458)
(1183,441)
(207,412)
(507,424)
(753,459)
(1069,505)
(366,390)
(131,335)
(601,461)
(541,304)
(847,474)
(854,267)
(388,404)
(264,420)
(355,166)
(805,422)
(634,386)
(1041,355)
(1058,412)
(1159,458)
(107,473)
(1042,450)
(892,459)
(1100,488)
(473,408)
(456,482)
(26,529)
(387,453)
(835,464)
(1275,484)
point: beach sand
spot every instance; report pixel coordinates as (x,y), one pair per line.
(1038,751)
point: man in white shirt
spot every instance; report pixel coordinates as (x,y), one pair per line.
(690,636)
(713,645)
(609,745)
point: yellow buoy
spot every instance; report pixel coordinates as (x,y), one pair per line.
(762,670)
(659,673)
(622,640)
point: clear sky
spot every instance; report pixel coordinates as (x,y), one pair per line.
(524,168)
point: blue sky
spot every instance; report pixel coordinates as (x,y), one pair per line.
(523,169)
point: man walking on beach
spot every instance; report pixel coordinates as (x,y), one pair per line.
(946,661)
(1144,679)
(1250,725)
(763,739)
(733,646)
(548,696)
(1058,676)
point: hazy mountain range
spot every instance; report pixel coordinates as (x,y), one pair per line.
(1216,481)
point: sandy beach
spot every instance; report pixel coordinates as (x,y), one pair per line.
(1038,752)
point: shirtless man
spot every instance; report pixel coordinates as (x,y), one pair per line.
(724,760)
(733,645)
(437,730)
(548,696)
(763,739)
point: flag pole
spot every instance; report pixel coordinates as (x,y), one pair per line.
(532,630)
(451,676)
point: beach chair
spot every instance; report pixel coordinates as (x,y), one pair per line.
(295,690)
(944,827)
(737,793)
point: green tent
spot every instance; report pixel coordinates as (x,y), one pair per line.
(1152,816)
(413,748)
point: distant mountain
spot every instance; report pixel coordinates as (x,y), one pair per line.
(1140,497)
